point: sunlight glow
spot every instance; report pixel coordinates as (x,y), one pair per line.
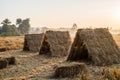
(117,14)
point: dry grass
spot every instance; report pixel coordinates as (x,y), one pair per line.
(110,73)
(11,43)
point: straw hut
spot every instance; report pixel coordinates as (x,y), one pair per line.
(32,42)
(94,46)
(56,43)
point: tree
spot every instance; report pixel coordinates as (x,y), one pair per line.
(6,22)
(5,27)
(18,21)
(14,31)
(8,30)
(24,27)
(0,29)
(74,26)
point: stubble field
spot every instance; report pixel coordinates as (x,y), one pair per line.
(32,66)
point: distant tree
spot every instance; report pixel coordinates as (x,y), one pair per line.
(6,22)
(74,27)
(24,27)
(18,21)
(14,31)
(8,30)
(37,29)
(6,25)
(0,29)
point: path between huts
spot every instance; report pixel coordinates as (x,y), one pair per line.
(29,65)
(32,66)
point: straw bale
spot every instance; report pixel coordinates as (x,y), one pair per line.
(70,70)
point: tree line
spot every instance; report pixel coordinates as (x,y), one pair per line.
(21,27)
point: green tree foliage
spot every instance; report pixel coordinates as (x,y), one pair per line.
(0,29)
(24,26)
(8,30)
(18,21)
(6,22)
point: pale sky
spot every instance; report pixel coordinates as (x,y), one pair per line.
(63,13)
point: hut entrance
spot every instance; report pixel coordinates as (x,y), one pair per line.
(26,47)
(45,48)
(83,53)
(80,53)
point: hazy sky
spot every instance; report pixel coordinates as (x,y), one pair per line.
(63,13)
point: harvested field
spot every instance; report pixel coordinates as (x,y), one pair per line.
(32,66)
(26,68)
(11,43)
(29,65)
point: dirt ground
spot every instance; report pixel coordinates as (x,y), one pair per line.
(29,66)
(32,66)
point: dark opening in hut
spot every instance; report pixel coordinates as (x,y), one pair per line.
(45,48)
(25,47)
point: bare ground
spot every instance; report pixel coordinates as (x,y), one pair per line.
(32,66)
(29,65)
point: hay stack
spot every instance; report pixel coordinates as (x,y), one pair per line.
(94,46)
(56,43)
(32,42)
(70,70)
(3,63)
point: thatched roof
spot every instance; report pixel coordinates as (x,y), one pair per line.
(33,42)
(95,46)
(56,43)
